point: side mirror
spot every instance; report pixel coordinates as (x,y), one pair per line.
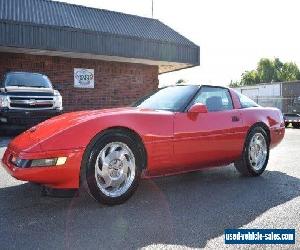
(198,108)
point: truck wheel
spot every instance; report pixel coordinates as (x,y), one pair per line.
(286,124)
(113,167)
(255,155)
(296,124)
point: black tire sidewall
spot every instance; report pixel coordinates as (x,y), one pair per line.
(250,168)
(95,192)
(296,125)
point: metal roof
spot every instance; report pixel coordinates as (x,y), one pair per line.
(45,24)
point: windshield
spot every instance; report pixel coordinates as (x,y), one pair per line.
(23,79)
(174,98)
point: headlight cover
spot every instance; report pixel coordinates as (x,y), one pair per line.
(51,162)
(58,100)
(48,162)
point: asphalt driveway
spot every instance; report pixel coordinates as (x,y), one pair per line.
(190,210)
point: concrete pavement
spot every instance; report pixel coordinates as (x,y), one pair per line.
(185,211)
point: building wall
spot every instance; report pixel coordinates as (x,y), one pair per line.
(291,89)
(116,84)
(261,90)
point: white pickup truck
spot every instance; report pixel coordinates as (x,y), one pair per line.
(27,99)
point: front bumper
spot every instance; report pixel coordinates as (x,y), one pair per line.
(14,119)
(59,177)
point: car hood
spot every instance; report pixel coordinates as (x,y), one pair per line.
(32,139)
(73,131)
(67,120)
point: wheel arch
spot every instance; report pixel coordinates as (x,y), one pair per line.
(93,141)
(135,135)
(264,126)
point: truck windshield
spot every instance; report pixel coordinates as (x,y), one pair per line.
(174,98)
(24,79)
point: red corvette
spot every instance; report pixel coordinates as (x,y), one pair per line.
(176,129)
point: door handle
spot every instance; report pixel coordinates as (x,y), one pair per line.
(235,118)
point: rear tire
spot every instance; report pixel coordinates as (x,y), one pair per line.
(286,124)
(255,155)
(112,167)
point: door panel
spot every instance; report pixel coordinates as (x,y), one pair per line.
(160,135)
(212,138)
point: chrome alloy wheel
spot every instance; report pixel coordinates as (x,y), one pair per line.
(115,169)
(257,151)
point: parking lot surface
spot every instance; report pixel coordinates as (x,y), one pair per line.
(184,211)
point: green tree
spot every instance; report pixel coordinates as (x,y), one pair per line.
(290,72)
(278,68)
(234,84)
(268,70)
(250,78)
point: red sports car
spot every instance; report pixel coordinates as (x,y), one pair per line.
(176,129)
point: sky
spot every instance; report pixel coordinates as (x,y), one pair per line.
(232,34)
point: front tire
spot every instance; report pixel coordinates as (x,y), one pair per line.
(113,167)
(255,155)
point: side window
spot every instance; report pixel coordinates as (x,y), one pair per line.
(246,102)
(216,99)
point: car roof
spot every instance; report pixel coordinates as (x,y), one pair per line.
(198,85)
